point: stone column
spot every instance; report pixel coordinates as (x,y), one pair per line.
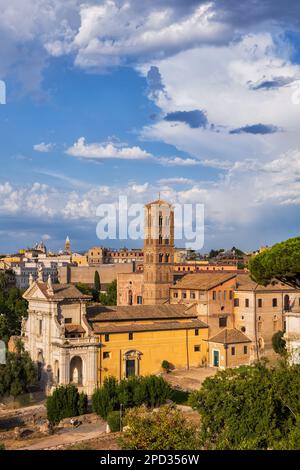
(91,370)
(64,367)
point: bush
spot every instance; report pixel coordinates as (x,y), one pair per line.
(82,404)
(166,366)
(150,390)
(105,398)
(278,343)
(113,420)
(163,429)
(65,402)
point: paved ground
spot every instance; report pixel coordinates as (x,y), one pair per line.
(69,436)
(191,379)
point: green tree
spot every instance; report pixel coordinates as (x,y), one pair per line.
(19,373)
(87,290)
(97,282)
(105,398)
(110,297)
(251,407)
(162,429)
(12,309)
(65,402)
(135,391)
(282,262)
(278,343)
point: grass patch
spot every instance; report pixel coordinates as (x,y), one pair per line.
(80,446)
(180,397)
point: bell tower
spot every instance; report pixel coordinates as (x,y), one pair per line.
(68,246)
(158,252)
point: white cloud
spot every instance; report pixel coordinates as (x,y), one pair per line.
(178,161)
(221,82)
(114,34)
(178,180)
(106,151)
(42,147)
(114,150)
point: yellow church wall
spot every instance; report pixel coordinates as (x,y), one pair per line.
(174,346)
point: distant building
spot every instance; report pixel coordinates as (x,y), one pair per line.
(68,246)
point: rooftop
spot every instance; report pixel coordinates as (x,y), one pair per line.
(230,336)
(203,280)
(98,313)
(244,282)
(155,326)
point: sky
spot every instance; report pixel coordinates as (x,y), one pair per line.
(198,101)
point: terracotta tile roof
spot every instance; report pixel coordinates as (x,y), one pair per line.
(72,328)
(61,291)
(244,282)
(156,326)
(230,336)
(98,313)
(203,280)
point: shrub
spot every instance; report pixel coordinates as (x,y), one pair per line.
(135,391)
(65,402)
(166,366)
(82,404)
(278,343)
(163,429)
(105,398)
(113,420)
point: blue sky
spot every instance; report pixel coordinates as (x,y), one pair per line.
(196,100)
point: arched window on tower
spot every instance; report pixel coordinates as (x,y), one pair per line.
(167,258)
(160,257)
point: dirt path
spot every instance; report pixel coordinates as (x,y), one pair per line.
(69,436)
(191,379)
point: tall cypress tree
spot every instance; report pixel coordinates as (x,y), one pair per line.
(97,283)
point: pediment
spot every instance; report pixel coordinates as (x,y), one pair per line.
(34,292)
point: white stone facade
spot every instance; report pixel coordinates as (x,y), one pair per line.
(292,336)
(58,337)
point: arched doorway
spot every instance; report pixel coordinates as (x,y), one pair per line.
(287,303)
(132,363)
(76,370)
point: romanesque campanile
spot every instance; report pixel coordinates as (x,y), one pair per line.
(158,252)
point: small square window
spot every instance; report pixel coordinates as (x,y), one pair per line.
(197,348)
(223,322)
(247,303)
(106,337)
(259,303)
(214,295)
(245,349)
(106,355)
(274,302)
(196,332)
(130,336)
(233,351)
(236,302)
